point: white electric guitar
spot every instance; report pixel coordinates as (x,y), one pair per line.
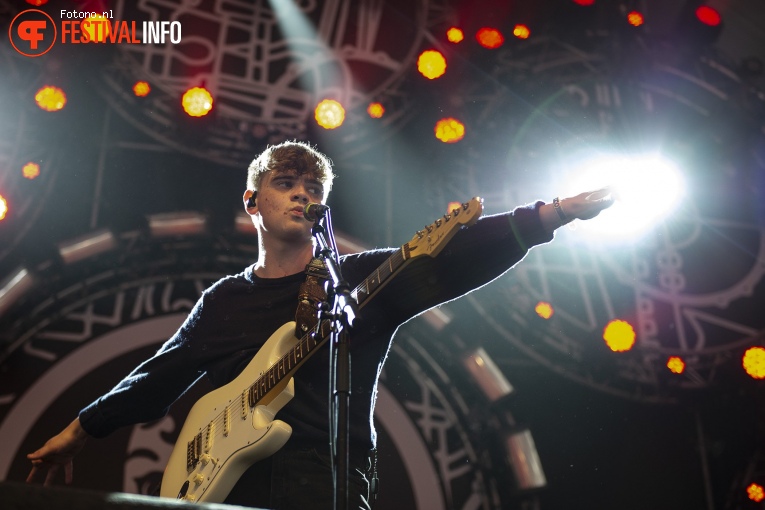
(231,428)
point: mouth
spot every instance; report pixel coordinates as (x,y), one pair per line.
(297,211)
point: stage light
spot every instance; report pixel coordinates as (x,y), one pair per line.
(30,170)
(431,64)
(37,3)
(50,99)
(708,16)
(544,310)
(490,38)
(521,454)
(329,114)
(676,365)
(3,207)
(455,35)
(177,224)
(141,89)
(86,246)
(197,102)
(521,31)
(584,2)
(633,180)
(13,287)
(487,374)
(619,335)
(635,19)
(97,26)
(697,25)
(375,110)
(451,206)
(450,130)
(755,492)
(754,362)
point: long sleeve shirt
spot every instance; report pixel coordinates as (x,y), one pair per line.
(236,315)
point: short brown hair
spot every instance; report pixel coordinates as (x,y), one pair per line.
(296,156)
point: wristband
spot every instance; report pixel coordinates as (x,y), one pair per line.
(559,210)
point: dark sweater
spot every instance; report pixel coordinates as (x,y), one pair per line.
(236,315)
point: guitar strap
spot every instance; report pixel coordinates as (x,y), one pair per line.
(312,292)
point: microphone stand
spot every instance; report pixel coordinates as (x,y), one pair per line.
(343,311)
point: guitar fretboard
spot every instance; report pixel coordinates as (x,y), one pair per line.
(310,342)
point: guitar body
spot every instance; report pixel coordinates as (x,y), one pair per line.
(223,436)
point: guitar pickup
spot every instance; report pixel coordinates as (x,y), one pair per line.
(193,450)
(209,436)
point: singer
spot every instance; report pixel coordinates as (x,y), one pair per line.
(236,316)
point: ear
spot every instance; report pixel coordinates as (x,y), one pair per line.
(249,201)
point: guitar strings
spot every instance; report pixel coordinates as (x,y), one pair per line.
(235,409)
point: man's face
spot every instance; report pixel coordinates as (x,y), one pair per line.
(280,202)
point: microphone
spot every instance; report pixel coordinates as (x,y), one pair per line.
(313,212)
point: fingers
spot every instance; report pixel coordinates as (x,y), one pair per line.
(52,470)
(68,468)
(31,477)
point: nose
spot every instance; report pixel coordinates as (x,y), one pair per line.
(301,195)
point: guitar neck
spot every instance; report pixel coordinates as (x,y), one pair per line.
(311,342)
(380,276)
(429,241)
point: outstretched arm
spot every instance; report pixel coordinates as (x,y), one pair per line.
(479,254)
(58,452)
(583,206)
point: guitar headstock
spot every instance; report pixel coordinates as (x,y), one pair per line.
(432,239)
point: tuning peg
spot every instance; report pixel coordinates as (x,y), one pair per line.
(438,222)
(429,228)
(447,217)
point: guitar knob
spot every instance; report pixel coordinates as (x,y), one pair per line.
(205,458)
(198,479)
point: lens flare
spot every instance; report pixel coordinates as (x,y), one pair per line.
(647,189)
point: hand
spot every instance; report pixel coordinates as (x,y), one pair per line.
(583,206)
(58,451)
(587,205)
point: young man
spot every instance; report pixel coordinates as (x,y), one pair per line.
(237,314)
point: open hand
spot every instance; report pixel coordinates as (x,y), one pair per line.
(589,204)
(58,453)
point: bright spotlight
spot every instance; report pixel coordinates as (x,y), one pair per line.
(450,130)
(647,189)
(50,99)
(490,38)
(431,64)
(3,207)
(329,114)
(31,170)
(141,89)
(455,35)
(197,102)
